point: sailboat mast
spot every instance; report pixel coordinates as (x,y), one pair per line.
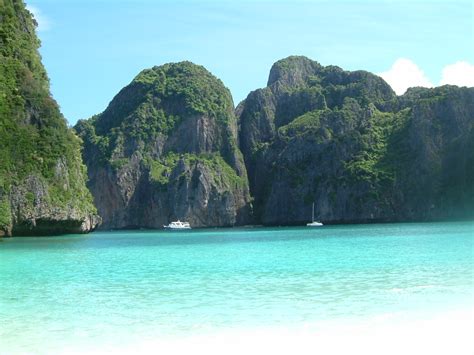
(312,214)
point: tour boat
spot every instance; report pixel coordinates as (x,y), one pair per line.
(178,225)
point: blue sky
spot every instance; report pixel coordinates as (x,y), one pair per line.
(92,49)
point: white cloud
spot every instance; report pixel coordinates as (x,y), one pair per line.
(405,74)
(44,24)
(460,73)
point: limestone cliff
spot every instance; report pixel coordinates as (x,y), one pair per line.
(165,149)
(345,141)
(42,178)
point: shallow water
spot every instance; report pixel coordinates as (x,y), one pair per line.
(61,294)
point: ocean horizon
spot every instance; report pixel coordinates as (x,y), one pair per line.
(397,288)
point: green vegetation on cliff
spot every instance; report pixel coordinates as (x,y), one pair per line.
(346,141)
(158,99)
(219,172)
(5,213)
(36,143)
(167,143)
(154,104)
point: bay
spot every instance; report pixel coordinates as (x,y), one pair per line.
(89,292)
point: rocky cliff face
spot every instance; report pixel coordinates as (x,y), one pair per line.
(437,177)
(165,149)
(345,141)
(42,178)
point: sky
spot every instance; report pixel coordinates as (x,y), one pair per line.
(93,48)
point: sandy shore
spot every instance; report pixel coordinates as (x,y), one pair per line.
(446,333)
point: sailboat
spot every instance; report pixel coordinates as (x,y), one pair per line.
(313,222)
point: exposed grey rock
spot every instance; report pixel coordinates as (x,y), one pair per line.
(170,152)
(345,141)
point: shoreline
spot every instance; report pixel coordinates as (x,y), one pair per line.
(440,333)
(240,227)
(446,332)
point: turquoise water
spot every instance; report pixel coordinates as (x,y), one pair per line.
(132,285)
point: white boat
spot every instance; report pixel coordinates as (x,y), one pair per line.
(313,223)
(178,225)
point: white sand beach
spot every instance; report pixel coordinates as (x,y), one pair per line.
(441,334)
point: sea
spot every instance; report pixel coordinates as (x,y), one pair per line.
(379,288)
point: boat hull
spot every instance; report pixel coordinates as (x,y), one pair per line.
(176,228)
(314,224)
